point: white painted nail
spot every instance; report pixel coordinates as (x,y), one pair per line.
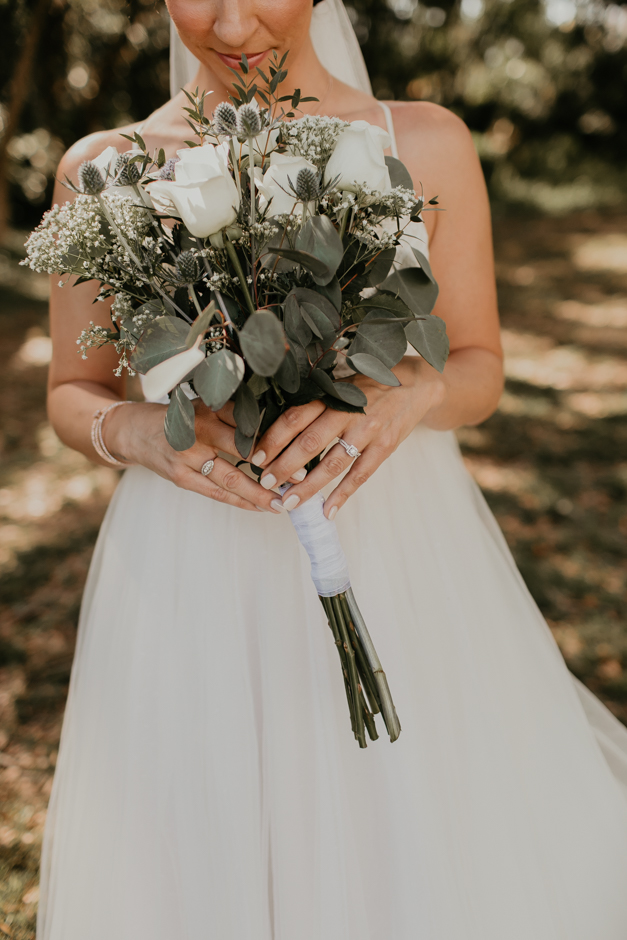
(268,481)
(261,508)
(291,502)
(258,458)
(332,513)
(277,505)
(300,475)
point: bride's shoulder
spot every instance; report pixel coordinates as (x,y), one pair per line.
(432,126)
(434,142)
(87,148)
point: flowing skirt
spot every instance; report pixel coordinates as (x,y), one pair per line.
(208,784)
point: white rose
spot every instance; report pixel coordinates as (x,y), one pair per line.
(203,193)
(358,158)
(276,183)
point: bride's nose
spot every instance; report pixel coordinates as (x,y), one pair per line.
(235,23)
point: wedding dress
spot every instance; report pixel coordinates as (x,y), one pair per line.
(208,784)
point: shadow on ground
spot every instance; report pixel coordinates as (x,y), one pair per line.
(552,462)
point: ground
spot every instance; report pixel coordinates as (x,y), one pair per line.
(552,462)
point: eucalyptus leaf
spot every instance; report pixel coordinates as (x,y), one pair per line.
(379,268)
(319,270)
(399,174)
(163,338)
(201,324)
(217,377)
(428,337)
(315,320)
(373,368)
(263,342)
(385,341)
(383,300)
(342,390)
(288,373)
(246,411)
(258,385)
(416,287)
(320,238)
(244,444)
(302,359)
(294,323)
(317,299)
(423,261)
(338,405)
(179,421)
(333,292)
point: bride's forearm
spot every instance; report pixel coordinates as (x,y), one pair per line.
(470,389)
(71,407)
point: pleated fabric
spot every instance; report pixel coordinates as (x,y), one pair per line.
(208,785)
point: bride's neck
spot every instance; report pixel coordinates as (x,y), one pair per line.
(305,71)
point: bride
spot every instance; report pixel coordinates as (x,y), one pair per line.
(208,785)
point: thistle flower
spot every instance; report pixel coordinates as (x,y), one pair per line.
(187,268)
(307,185)
(248,120)
(90,179)
(167,170)
(225,119)
(126,173)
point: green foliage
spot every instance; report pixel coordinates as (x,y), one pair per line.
(544,101)
(179,421)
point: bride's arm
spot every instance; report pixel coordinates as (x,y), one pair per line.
(438,150)
(79,387)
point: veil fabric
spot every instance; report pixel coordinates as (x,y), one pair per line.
(333,39)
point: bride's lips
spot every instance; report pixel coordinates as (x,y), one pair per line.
(254,58)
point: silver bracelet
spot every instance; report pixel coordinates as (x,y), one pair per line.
(98,440)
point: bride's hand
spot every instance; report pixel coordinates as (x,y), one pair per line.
(136,434)
(391,415)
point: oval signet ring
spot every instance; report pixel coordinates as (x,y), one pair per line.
(207,467)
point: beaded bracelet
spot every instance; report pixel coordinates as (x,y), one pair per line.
(98,440)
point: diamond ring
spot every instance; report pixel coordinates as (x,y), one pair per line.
(350,449)
(207,467)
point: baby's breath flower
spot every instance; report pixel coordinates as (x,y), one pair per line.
(313,137)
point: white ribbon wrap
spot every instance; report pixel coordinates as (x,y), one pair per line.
(319,537)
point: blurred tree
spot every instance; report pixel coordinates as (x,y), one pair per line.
(539,82)
(541,85)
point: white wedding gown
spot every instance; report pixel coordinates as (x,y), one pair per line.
(209,787)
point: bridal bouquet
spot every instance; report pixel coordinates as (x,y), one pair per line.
(268,261)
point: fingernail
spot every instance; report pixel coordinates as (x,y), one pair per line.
(332,513)
(262,509)
(277,505)
(258,458)
(299,475)
(268,481)
(291,502)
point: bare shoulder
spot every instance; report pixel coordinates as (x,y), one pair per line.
(91,146)
(437,132)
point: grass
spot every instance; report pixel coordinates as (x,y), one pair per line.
(552,462)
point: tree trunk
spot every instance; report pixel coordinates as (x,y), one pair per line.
(20,85)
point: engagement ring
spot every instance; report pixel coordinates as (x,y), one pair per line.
(350,449)
(207,467)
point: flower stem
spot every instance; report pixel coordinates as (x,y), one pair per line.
(253,212)
(230,250)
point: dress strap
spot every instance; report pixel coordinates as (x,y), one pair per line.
(390,124)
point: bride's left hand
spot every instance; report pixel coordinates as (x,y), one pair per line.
(391,415)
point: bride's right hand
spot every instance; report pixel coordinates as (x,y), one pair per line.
(135,434)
